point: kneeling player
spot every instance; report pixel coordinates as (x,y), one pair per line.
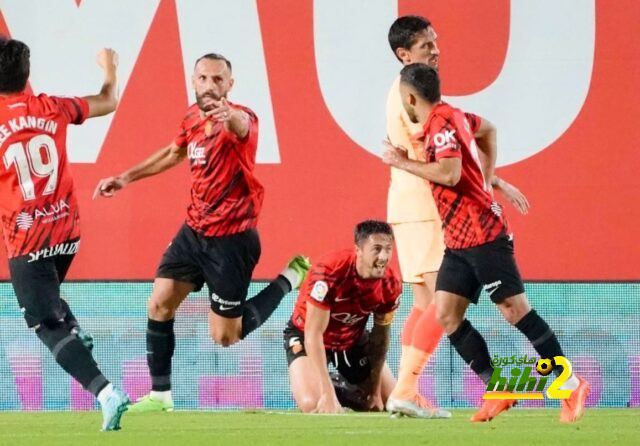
(328,326)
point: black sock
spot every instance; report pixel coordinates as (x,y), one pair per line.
(69,319)
(72,356)
(161,342)
(541,336)
(472,347)
(258,309)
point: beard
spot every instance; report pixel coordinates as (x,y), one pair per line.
(412,115)
(204,101)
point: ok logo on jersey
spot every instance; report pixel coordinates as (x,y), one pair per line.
(444,138)
(347,318)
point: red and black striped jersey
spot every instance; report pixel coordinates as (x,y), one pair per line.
(470,216)
(38,206)
(226,197)
(334,284)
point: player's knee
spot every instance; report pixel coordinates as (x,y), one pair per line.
(513,315)
(513,309)
(223,338)
(447,319)
(159,311)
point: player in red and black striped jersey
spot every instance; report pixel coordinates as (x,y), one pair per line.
(218,244)
(328,325)
(416,225)
(37,199)
(349,297)
(479,253)
(39,212)
(470,215)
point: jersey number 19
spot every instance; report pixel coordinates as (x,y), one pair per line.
(31,161)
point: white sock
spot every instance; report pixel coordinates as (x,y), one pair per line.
(571,384)
(104,394)
(292,276)
(164,396)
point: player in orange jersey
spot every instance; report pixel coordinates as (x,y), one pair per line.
(415,221)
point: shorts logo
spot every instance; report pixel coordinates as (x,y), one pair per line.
(24,220)
(223,304)
(62,249)
(295,345)
(319,290)
(294,341)
(492,287)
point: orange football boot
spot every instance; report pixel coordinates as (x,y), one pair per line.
(491,409)
(573,407)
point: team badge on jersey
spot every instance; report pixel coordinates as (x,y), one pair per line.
(319,290)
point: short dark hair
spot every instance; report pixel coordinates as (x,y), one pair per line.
(423,79)
(214,56)
(369,227)
(403,31)
(14,65)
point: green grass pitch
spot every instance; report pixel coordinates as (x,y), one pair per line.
(536,427)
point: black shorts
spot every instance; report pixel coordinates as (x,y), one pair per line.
(491,267)
(353,364)
(36,280)
(225,263)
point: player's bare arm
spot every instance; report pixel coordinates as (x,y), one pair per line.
(235,120)
(160,161)
(445,171)
(512,194)
(379,340)
(315,325)
(486,138)
(106,101)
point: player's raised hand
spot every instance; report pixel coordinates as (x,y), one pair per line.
(107,59)
(221,111)
(515,197)
(394,155)
(107,187)
(328,403)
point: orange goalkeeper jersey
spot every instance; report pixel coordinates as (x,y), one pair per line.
(409,198)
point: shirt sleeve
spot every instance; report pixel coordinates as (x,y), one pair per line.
(320,292)
(74,109)
(444,140)
(393,291)
(181,138)
(474,122)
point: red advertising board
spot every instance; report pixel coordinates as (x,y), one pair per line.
(584,218)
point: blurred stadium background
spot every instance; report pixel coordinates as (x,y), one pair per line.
(596,323)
